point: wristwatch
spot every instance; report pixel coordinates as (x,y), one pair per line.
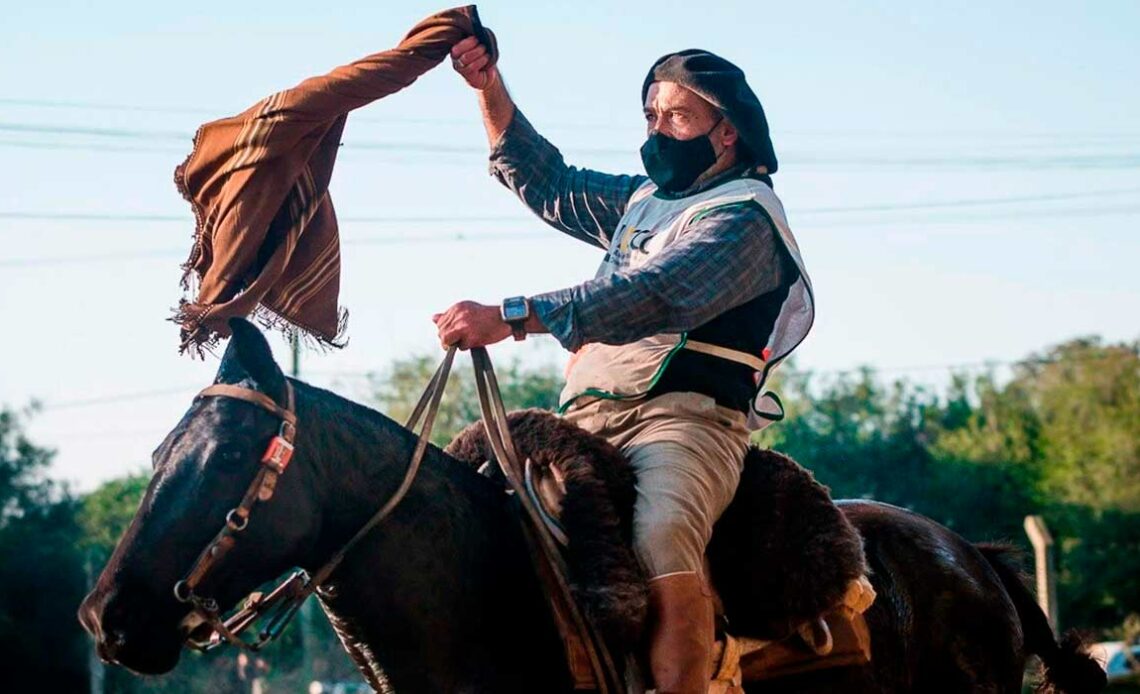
(515,311)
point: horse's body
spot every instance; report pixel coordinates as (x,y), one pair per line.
(441,597)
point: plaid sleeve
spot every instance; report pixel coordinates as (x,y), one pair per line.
(726,258)
(582,203)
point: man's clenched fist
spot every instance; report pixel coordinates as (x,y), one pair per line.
(469,324)
(471,60)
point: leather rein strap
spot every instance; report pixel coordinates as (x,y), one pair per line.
(286,599)
(426,408)
(578,634)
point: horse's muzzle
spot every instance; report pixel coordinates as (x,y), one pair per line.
(118,642)
(109,647)
(106,645)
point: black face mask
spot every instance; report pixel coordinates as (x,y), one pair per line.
(674,164)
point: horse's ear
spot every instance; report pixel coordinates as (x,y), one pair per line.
(248,356)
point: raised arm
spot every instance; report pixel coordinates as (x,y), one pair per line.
(582,203)
(471,61)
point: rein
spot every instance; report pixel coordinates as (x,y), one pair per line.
(284,600)
(588,659)
(587,656)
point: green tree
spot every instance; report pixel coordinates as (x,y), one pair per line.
(1087,396)
(106,513)
(22,464)
(1060,438)
(1070,417)
(41,574)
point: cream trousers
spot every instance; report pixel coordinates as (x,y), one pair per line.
(687,453)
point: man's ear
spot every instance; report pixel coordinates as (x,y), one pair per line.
(248,356)
(729,134)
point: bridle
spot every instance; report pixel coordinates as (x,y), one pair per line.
(587,656)
(279,605)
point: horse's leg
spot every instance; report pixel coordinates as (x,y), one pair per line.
(942,621)
(975,640)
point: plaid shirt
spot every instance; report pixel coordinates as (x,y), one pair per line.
(725,259)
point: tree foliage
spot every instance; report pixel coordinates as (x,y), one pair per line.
(1059,436)
(106,513)
(23,488)
(41,573)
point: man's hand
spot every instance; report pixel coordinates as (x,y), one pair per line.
(468,324)
(470,59)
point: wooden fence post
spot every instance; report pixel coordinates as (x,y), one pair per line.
(1042,541)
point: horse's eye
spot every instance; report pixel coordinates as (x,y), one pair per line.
(231,456)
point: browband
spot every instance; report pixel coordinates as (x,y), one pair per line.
(255,397)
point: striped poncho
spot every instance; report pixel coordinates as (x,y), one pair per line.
(266,239)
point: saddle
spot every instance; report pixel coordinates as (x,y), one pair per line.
(786,566)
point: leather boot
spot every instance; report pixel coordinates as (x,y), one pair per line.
(681,634)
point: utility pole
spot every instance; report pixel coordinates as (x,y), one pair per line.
(1042,541)
(95,671)
(295,345)
(305,623)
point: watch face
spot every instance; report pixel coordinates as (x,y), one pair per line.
(514,310)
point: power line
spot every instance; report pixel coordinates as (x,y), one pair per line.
(95,258)
(460,237)
(187,137)
(435,219)
(1125,161)
(215,113)
(109,433)
(188,217)
(88,131)
(420,148)
(98,106)
(113,399)
(1040,161)
(967,218)
(92,147)
(1113,160)
(963,202)
(168,253)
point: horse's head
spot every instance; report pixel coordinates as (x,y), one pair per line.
(201,471)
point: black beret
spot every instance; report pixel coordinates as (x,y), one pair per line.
(722,84)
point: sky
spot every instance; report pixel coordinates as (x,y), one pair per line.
(963,181)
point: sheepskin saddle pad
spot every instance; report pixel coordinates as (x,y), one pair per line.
(781,555)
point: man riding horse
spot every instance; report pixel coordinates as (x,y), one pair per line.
(701,292)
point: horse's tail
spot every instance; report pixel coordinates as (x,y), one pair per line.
(1068,668)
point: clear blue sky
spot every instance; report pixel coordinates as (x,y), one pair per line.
(921,111)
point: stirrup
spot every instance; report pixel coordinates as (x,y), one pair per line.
(727,676)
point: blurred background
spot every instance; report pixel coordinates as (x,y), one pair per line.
(964,182)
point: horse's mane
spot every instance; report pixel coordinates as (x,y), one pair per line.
(332,404)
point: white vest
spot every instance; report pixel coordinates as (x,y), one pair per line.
(649,225)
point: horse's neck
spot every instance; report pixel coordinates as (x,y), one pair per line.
(442,588)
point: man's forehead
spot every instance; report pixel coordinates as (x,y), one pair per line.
(672,95)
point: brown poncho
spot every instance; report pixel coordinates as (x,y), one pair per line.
(266,235)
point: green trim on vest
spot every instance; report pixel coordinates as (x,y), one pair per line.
(764,415)
(739,203)
(607,395)
(759,390)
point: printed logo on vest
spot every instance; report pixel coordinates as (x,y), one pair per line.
(628,240)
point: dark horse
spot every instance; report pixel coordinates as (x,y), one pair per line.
(441,597)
